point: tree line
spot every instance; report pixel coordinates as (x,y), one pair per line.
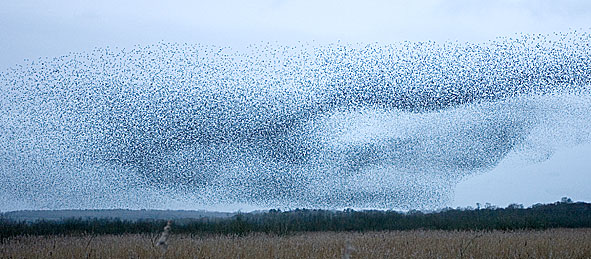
(563,214)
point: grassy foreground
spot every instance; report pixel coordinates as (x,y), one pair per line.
(550,243)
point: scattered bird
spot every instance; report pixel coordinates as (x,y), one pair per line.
(388,126)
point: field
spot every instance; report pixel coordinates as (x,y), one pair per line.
(550,243)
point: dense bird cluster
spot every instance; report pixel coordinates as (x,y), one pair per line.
(389,126)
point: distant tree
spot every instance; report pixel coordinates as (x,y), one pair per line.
(566,200)
(515,206)
(489,206)
(562,214)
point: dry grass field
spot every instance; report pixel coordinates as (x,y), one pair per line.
(553,243)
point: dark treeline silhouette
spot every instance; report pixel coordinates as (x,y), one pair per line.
(564,214)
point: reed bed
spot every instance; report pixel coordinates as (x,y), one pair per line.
(552,243)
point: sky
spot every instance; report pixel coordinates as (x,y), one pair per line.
(33,29)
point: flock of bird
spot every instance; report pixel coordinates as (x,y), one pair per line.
(340,125)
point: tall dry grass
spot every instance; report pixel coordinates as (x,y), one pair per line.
(554,243)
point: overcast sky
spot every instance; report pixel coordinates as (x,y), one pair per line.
(45,28)
(32,29)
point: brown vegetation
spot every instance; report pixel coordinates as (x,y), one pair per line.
(553,243)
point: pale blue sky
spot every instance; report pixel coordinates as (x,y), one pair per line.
(32,29)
